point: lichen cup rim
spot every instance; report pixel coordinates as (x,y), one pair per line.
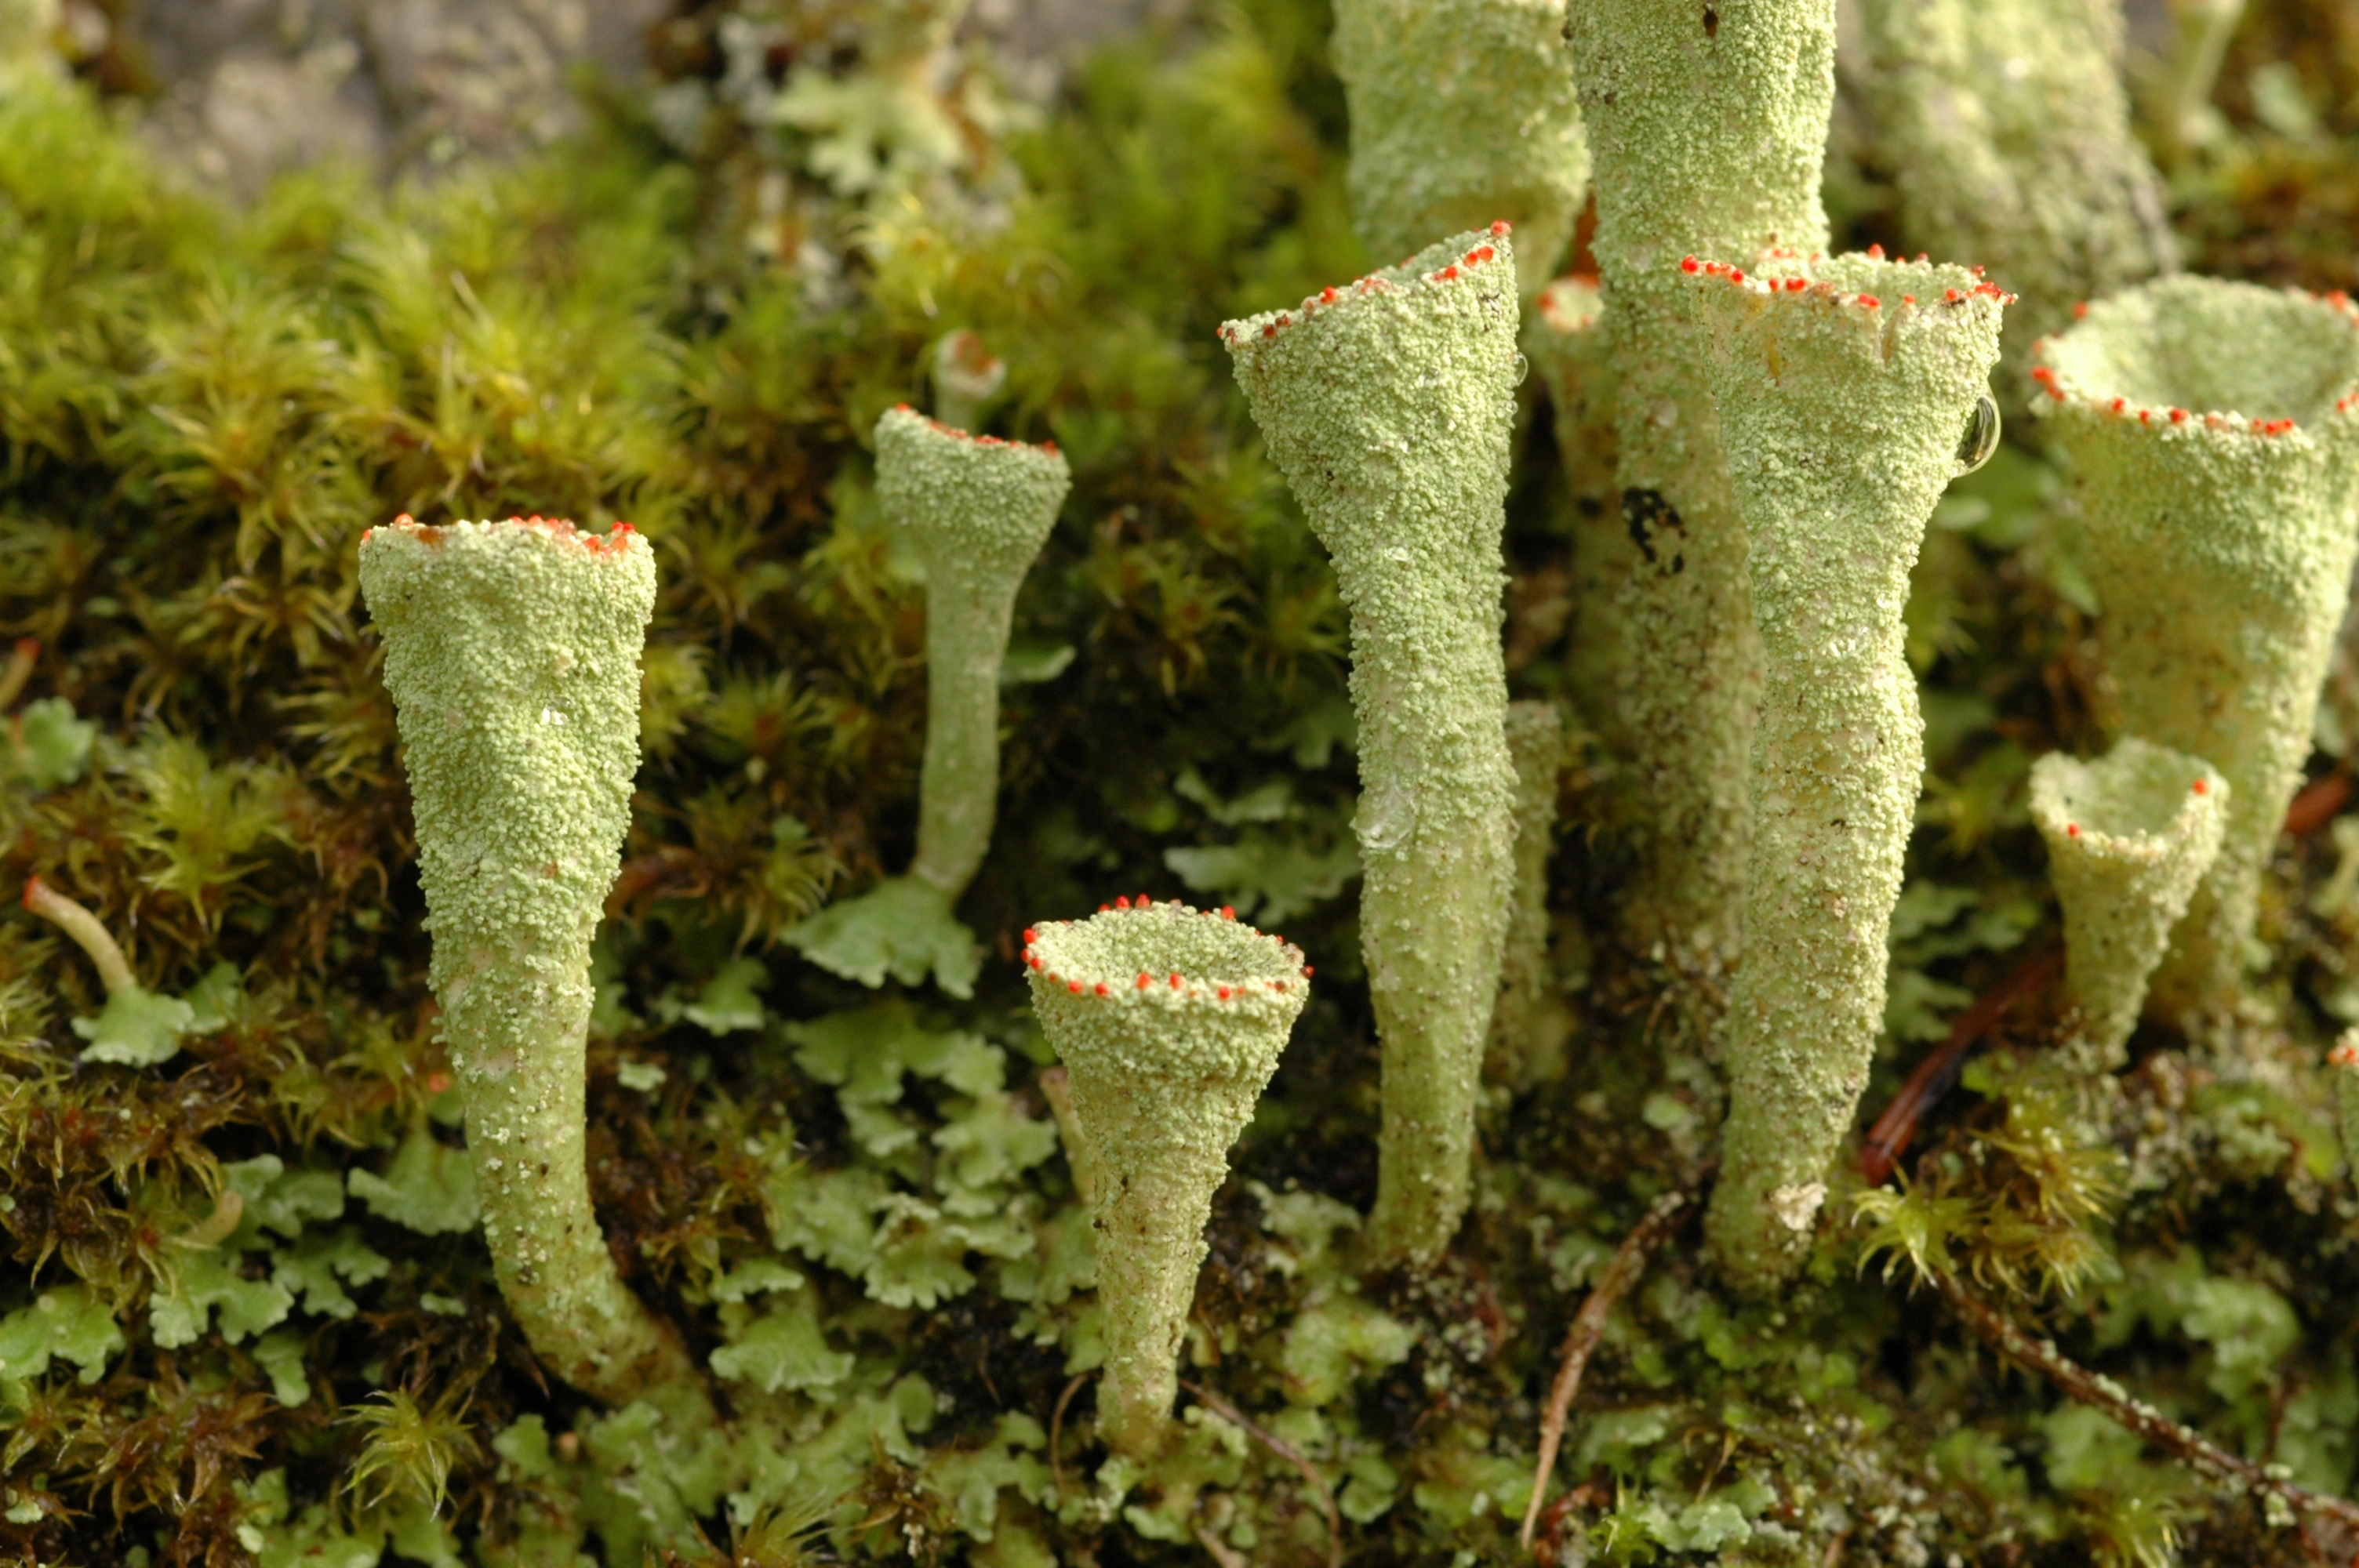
(1411,272)
(1118,956)
(2178,323)
(2138,823)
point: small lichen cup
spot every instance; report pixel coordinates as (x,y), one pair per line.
(2129,836)
(1844,388)
(2213,431)
(977,509)
(1169,1021)
(1388,404)
(511,654)
(1463,112)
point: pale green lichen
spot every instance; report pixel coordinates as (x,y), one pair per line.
(2009,136)
(136,1027)
(1527,1031)
(1707,129)
(2128,837)
(1169,1021)
(1462,115)
(2343,1063)
(2213,430)
(1387,404)
(511,654)
(1843,388)
(977,510)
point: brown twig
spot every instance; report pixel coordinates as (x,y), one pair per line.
(1889,1138)
(17,671)
(1626,1269)
(2184,1444)
(2318,804)
(1291,1454)
(1057,1434)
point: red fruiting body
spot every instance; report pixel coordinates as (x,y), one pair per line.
(2080,311)
(1175,980)
(2178,416)
(1308,971)
(1224,993)
(1690,265)
(1501,227)
(1031,936)
(1952,296)
(1074,987)
(2072,829)
(1869,302)
(1033,959)
(1876,252)
(1227,913)
(1736,275)
(1102,987)
(1907,300)
(1145,980)
(2120,403)
(2203,786)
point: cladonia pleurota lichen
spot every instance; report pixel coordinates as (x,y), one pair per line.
(1387,405)
(2128,837)
(1169,1021)
(2213,430)
(1463,114)
(1524,1046)
(511,654)
(2008,134)
(1843,387)
(1707,128)
(977,509)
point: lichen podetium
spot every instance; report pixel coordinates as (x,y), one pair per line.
(1843,386)
(1387,405)
(1169,1021)
(1462,112)
(2213,430)
(1707,129)
(978,510)
(511,654)
(2129,836)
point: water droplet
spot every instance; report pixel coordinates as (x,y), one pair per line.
(1387,817)
(1980,439)
(1523,369)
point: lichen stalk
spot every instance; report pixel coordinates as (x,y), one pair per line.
(1169,1021)
(1707,129)
(976,509)
(1523,1049)
(1387,404)
(2343,1063)
(2128,836)
(2214,430)
(512,654)
(1843,387)
(1463,113)
(2008,132)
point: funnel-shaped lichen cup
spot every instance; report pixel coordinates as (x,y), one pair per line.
(1169,1021)
(977,509)
(1843,388)
(512,652)
(2214,429)
(1463,112)
(1387,404)
(2128,837)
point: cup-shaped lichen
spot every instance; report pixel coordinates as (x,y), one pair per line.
(1707,130)
(2128,837)
(1387,405)
(1462,112)
(1169,1021)
(512,652)
(2008,134)
(1843,387)
(2213,430)
(977,509)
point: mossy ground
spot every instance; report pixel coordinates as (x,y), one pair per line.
(852,1204)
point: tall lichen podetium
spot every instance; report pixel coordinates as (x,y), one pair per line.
(511,654)
(1387,405)
(1169,1021)
(1526,1034)
(978,510)
(2214,430)
(1462,112)
(2009,133)
(1843,387)
(1707,129)
(2128,837)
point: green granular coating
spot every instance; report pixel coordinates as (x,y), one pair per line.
(1387,404)
(1169,1021)
(2128,837)
(511,654)
(2343,1063)
(978,510)
(2219,544)
(1707,127)
(1536,743)
(1841,403)
(1463,114)
(2009,135)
